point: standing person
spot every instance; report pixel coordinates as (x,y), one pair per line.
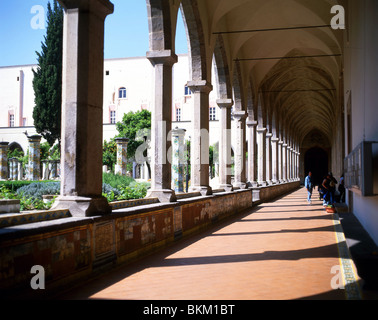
(326,190)
(332,185)
(309,186)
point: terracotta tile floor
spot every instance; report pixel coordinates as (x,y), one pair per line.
(281,250)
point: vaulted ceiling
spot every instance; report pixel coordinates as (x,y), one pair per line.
(287,55)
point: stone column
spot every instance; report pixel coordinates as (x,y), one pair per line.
(13,167)
(252,172)
(178,159)
(34,157)
(3,160)
(53,169)
(200,139)
(161,124)
(82,107)
(261,156)
(240,150)
(45,169)
(280,161)
(275,158)
(225,144)
(269,158)
(120,167)
(20,171)
(289,162)
(284,163)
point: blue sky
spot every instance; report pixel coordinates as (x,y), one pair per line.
(126,31)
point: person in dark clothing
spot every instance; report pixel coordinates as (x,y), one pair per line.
(329,187)
(309,185)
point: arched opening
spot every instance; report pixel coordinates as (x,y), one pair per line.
(316,161)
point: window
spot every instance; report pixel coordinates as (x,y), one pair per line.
(112,117)
(212,114)
(122,93)
(178,114)
(188,92)
(11,120)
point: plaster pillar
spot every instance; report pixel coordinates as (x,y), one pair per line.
(240,178)
(120,167)
(252,172)
(291,152)
(178,159)
(82,107)
(275,159)
(261,156)
(34,157)
(3,160)
(200,139)
(161,125)
(269,158)
(53,166)
(225,160)
(280,161)
(284,163)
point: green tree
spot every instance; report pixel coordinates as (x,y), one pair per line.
(134,126)
(47,82)
(109,155)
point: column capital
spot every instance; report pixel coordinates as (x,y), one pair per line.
(284,145)
(260,130)
(240,115)
(225,103)
(35,137)
(275,140)
(178,132)
(100,7)
(251,123)
(122,140)
(269,135)
(202,86)
(164,57)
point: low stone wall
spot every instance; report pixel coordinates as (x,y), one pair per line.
(72,249)
(271,192)
(7,206)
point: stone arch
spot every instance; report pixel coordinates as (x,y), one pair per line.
(239,98)
(15,146)
(161,35)
(222,71)
(196,41)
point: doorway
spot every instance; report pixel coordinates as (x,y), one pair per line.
(316,161)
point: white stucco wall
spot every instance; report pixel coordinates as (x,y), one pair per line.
(361,83)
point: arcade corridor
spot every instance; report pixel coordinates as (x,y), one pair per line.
(284,249)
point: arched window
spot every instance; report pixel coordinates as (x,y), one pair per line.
(122,93)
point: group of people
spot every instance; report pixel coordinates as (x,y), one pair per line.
(327,189)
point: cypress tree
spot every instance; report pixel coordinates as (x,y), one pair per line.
(47,82)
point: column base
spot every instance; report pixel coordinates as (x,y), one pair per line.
(240,185)
(203,190)
(252,184)
(164,195)
(83,206)
(226,187)
(262,183)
